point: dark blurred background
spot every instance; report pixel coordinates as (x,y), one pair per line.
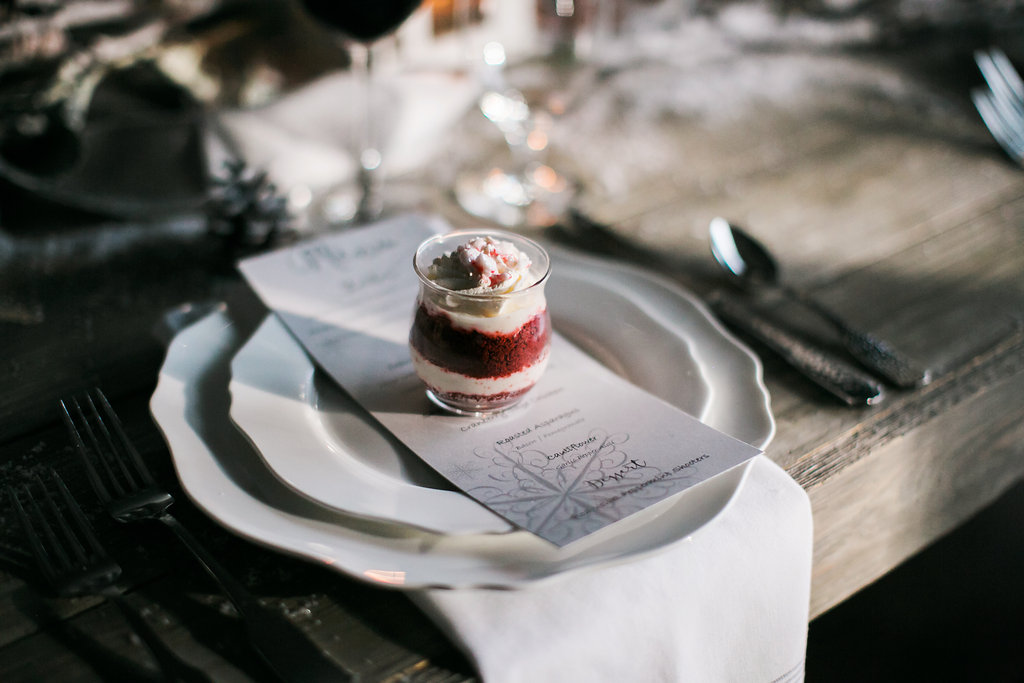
(953,612)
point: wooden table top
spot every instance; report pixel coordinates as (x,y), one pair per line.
(874,181)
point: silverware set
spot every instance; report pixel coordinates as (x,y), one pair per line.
(71,559)
(1001,103)
(752,268)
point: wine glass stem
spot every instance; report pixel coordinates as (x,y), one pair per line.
(370,204)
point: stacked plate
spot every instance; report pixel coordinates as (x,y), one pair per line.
(269,447)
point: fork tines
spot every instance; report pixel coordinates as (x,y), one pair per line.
(1002,126)
(104,447)
(62,542)
(1000,75)
(1001,105)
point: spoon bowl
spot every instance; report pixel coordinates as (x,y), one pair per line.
(742,257)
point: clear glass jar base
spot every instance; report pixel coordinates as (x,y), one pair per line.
(470,407)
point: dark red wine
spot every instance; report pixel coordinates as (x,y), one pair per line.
(364,20)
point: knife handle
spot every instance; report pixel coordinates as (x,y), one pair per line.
(875,354)
(853,387)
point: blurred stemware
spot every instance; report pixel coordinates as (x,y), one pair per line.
(364,23)
(524,100)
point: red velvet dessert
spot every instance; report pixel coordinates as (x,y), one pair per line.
(482,333)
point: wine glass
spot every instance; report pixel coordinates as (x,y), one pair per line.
(524,101)
(364,22)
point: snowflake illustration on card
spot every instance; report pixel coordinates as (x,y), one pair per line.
(567,493)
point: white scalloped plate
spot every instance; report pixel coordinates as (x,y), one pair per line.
(226,477)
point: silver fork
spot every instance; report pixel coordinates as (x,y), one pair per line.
(74,563)
(1001,105)
(130,493)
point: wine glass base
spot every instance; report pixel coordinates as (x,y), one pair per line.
(346,205)
(339,206)
(537,198)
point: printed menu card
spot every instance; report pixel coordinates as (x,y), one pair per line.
(584,449)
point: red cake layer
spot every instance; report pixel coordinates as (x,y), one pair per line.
(479,354)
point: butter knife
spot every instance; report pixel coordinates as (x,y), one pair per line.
(851,385)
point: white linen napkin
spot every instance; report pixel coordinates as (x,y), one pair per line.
(729,603)
(309,139)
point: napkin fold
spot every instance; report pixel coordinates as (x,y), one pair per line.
(729,603)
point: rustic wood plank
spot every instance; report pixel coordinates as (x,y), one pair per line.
(95,647)
(922,483)
(98,644)
(911,228)
(376,634)
(967,276)
(834,205)
(922,299)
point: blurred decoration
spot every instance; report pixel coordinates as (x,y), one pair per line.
(252,52)
(232,52)
(104,104)
(140,152)
(245,210)
(102,101)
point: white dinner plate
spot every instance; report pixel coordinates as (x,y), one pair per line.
(224,475)
(322,444)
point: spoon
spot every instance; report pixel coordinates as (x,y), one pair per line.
(751,266)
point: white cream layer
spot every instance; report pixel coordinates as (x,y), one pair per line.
(513,315)
(453,382)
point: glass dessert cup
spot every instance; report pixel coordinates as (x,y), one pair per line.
(480,352)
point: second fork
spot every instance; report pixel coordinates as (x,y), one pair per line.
(73,562)
(1001,104)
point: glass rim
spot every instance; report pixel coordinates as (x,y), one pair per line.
(486,232)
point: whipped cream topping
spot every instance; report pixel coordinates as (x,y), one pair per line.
(483,265)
